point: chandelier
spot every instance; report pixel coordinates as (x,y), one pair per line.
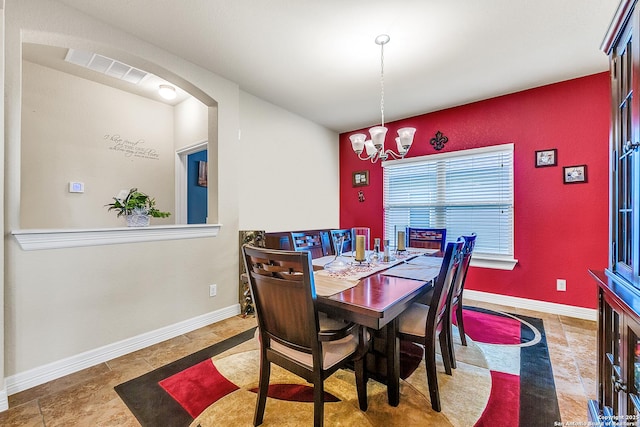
(374,147)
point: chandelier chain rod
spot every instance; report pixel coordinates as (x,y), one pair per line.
(382,82)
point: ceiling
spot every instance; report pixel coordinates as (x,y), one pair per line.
(318,59)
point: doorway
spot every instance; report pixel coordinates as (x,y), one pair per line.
(192,184)
(197,188)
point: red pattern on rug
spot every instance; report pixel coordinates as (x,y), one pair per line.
(294,393)
(201,385)
(490,328)
(503,406)
(198,387)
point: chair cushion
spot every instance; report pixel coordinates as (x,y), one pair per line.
(413,320)
(329,323)
(332,351)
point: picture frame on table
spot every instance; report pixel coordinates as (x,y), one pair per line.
(360,178)
(574,174)
(545,158)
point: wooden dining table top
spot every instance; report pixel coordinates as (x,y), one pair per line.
(375,300)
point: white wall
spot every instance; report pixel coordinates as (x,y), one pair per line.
(77,130)
(290,170)
(190,123)
(62,302)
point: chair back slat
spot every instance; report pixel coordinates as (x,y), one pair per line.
(309,241)
(461,276)
(284,295)
(347,245)
(443,283)
(427,238)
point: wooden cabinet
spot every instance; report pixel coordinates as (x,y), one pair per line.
(618,385)
(618,380)
(622,44)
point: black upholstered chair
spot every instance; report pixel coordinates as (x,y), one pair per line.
(292,333)
(422,323)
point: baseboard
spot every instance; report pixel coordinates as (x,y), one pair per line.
(529,304)
(51,371)
(4,400)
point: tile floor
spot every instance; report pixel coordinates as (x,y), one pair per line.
(87,398)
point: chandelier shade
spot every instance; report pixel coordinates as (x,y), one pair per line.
(374,147)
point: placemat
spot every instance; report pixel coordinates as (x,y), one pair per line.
(422,272)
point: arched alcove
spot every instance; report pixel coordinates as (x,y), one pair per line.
(83,126)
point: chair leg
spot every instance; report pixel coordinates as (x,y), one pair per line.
(432,377)
(361,369)
(448,327)
(265,372)
(463,337)
(361,382)
(445,349)
(318,403)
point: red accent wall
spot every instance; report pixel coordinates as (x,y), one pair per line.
(561,230)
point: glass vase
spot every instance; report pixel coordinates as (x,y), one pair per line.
(338,264)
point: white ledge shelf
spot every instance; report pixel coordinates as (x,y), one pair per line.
(32,240)
(495,262)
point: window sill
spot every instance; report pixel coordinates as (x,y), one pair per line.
(31,240)
(497,263)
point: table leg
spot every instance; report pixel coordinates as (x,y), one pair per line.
(393,363)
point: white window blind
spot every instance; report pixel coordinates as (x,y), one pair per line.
(465,192)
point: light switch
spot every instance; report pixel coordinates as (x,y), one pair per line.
(76,187)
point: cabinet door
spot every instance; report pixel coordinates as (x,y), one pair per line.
(625,73)
(610,375)
(632,412)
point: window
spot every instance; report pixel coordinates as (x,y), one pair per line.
(464,192)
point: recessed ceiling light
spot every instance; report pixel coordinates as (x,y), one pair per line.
(167,91)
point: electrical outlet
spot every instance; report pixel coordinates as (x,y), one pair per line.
(213,290)
(561,284)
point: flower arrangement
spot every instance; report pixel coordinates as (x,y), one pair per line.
(136,203)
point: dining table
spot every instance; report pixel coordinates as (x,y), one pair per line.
(374,296)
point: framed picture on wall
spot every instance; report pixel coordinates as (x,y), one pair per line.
(360,178)
(575,174)
(202,173)
(546,158)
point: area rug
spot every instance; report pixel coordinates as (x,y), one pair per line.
(523,390)
(217,385)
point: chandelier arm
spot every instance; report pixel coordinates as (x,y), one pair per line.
(395,155)
(367,157)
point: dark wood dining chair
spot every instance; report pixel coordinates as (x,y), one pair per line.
(427,238)
(293,334)
(309,241)
(455,304)
(346,242)
(422,323)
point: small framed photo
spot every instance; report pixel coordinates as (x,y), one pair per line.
(360,178)
(202,174)
(575,174)
(546,158)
